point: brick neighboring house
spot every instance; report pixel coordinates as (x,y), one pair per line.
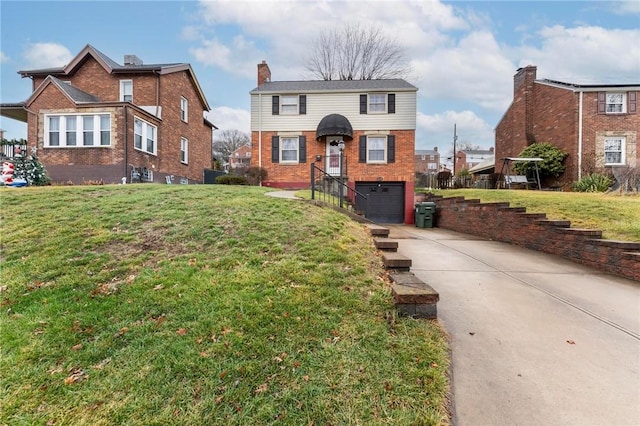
(427,161)
(295,123)
(241,157)
(597,125)
(97,120)
(467,158)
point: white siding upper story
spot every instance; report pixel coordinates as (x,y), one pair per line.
(319,105)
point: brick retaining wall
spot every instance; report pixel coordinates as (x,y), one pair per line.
(500,222)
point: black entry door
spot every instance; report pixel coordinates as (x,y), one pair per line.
(384,203)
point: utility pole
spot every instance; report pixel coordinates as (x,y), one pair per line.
(455,138)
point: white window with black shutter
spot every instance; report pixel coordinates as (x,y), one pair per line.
(378,103)
(377,149)
(289,104)
(289,149)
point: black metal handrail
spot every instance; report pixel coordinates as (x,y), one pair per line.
(334,190)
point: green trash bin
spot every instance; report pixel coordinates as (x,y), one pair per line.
(419,215)
(429,208)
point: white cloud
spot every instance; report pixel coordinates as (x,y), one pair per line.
(276,27)
(474,71)
(226,118)
(437,130)
(47,55)
(626,7)
(3,58)
(590,55)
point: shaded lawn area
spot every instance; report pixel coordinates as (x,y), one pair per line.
(203,304)
(618,216)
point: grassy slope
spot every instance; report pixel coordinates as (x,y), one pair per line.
(617,216)
(175,304)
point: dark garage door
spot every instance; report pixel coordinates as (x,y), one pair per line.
(385,201)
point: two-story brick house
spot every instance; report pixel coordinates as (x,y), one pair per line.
(97,120)
(427,161)
(295,123)
(240,157)
(597,125)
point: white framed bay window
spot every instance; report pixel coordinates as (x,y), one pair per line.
(77,130)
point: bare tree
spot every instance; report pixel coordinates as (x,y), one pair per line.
(227,142)
(356,53)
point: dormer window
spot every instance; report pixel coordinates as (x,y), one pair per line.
(126,90)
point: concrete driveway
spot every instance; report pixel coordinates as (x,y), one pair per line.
(536,340)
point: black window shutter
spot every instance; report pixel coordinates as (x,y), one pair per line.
(275,105)
(363,104)
(302,147)
(362,149)
(391,103)
(602,102)
(391,149)
(275,149)
(632,101)
(302,107)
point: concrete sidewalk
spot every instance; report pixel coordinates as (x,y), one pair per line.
(536,339)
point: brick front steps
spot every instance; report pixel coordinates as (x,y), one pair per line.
(411,296)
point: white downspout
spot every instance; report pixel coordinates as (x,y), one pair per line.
(260,132)
(580,137)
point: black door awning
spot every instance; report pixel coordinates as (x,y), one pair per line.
(334,125)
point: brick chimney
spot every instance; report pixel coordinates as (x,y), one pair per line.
(264,73)
(526,75)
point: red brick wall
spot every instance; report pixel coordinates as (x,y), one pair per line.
(282,175)
(498,221)
(555,120)
(299,175)
(173,86)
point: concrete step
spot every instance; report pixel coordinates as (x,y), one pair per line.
(414,297)
(385,244)
(396,262)
(377,230)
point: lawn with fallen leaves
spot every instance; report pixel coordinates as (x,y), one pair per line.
(202,305)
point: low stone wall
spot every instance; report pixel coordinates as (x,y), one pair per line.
(500,222)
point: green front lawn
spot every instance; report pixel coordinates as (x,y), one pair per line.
(202,304)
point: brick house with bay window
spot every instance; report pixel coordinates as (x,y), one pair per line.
(295,123)
(97,120)
(597,125)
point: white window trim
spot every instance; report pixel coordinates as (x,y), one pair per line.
(184,150)
(79,130)
(296,104)
(384,145)
(143,144)
(281,147)
(624,103)
(184,109)
(122,92)
(386,106)
(623,143)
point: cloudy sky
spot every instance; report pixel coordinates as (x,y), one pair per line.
(462,54)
